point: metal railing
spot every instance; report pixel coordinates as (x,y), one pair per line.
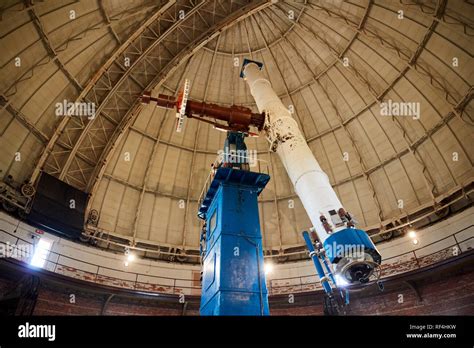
(173,285)
(167,284)
(256,165)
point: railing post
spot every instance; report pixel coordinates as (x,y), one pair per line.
(457,244)
(416,259)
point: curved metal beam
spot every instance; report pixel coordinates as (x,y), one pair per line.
(107,20)
(116,84)
(53,140)
(183,57)
(50,49)
(117,94)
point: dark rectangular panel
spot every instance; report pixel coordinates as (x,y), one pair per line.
(58,207)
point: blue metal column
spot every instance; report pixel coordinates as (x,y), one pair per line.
(233,270)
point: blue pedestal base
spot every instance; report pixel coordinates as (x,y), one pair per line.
(233,268)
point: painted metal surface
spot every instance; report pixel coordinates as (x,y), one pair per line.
(324,209)
(233,280)
(357,239)
(234,118)
(317,264)
(310,182)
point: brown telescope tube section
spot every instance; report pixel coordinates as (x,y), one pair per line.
(233,115)
(237,117)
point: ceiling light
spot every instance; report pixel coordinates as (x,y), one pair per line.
(268,268)
(415,241)
(130,257)
(411,234)
(126,263)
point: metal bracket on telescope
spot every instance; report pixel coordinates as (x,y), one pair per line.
(248,61)
(181,105)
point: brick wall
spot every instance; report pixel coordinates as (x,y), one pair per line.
(58,302)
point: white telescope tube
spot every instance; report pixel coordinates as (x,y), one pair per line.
(311,183)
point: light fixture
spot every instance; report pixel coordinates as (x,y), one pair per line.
(268,267)
(415,241)
(129,256)
(412,234)
(41,252)
(340,281)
